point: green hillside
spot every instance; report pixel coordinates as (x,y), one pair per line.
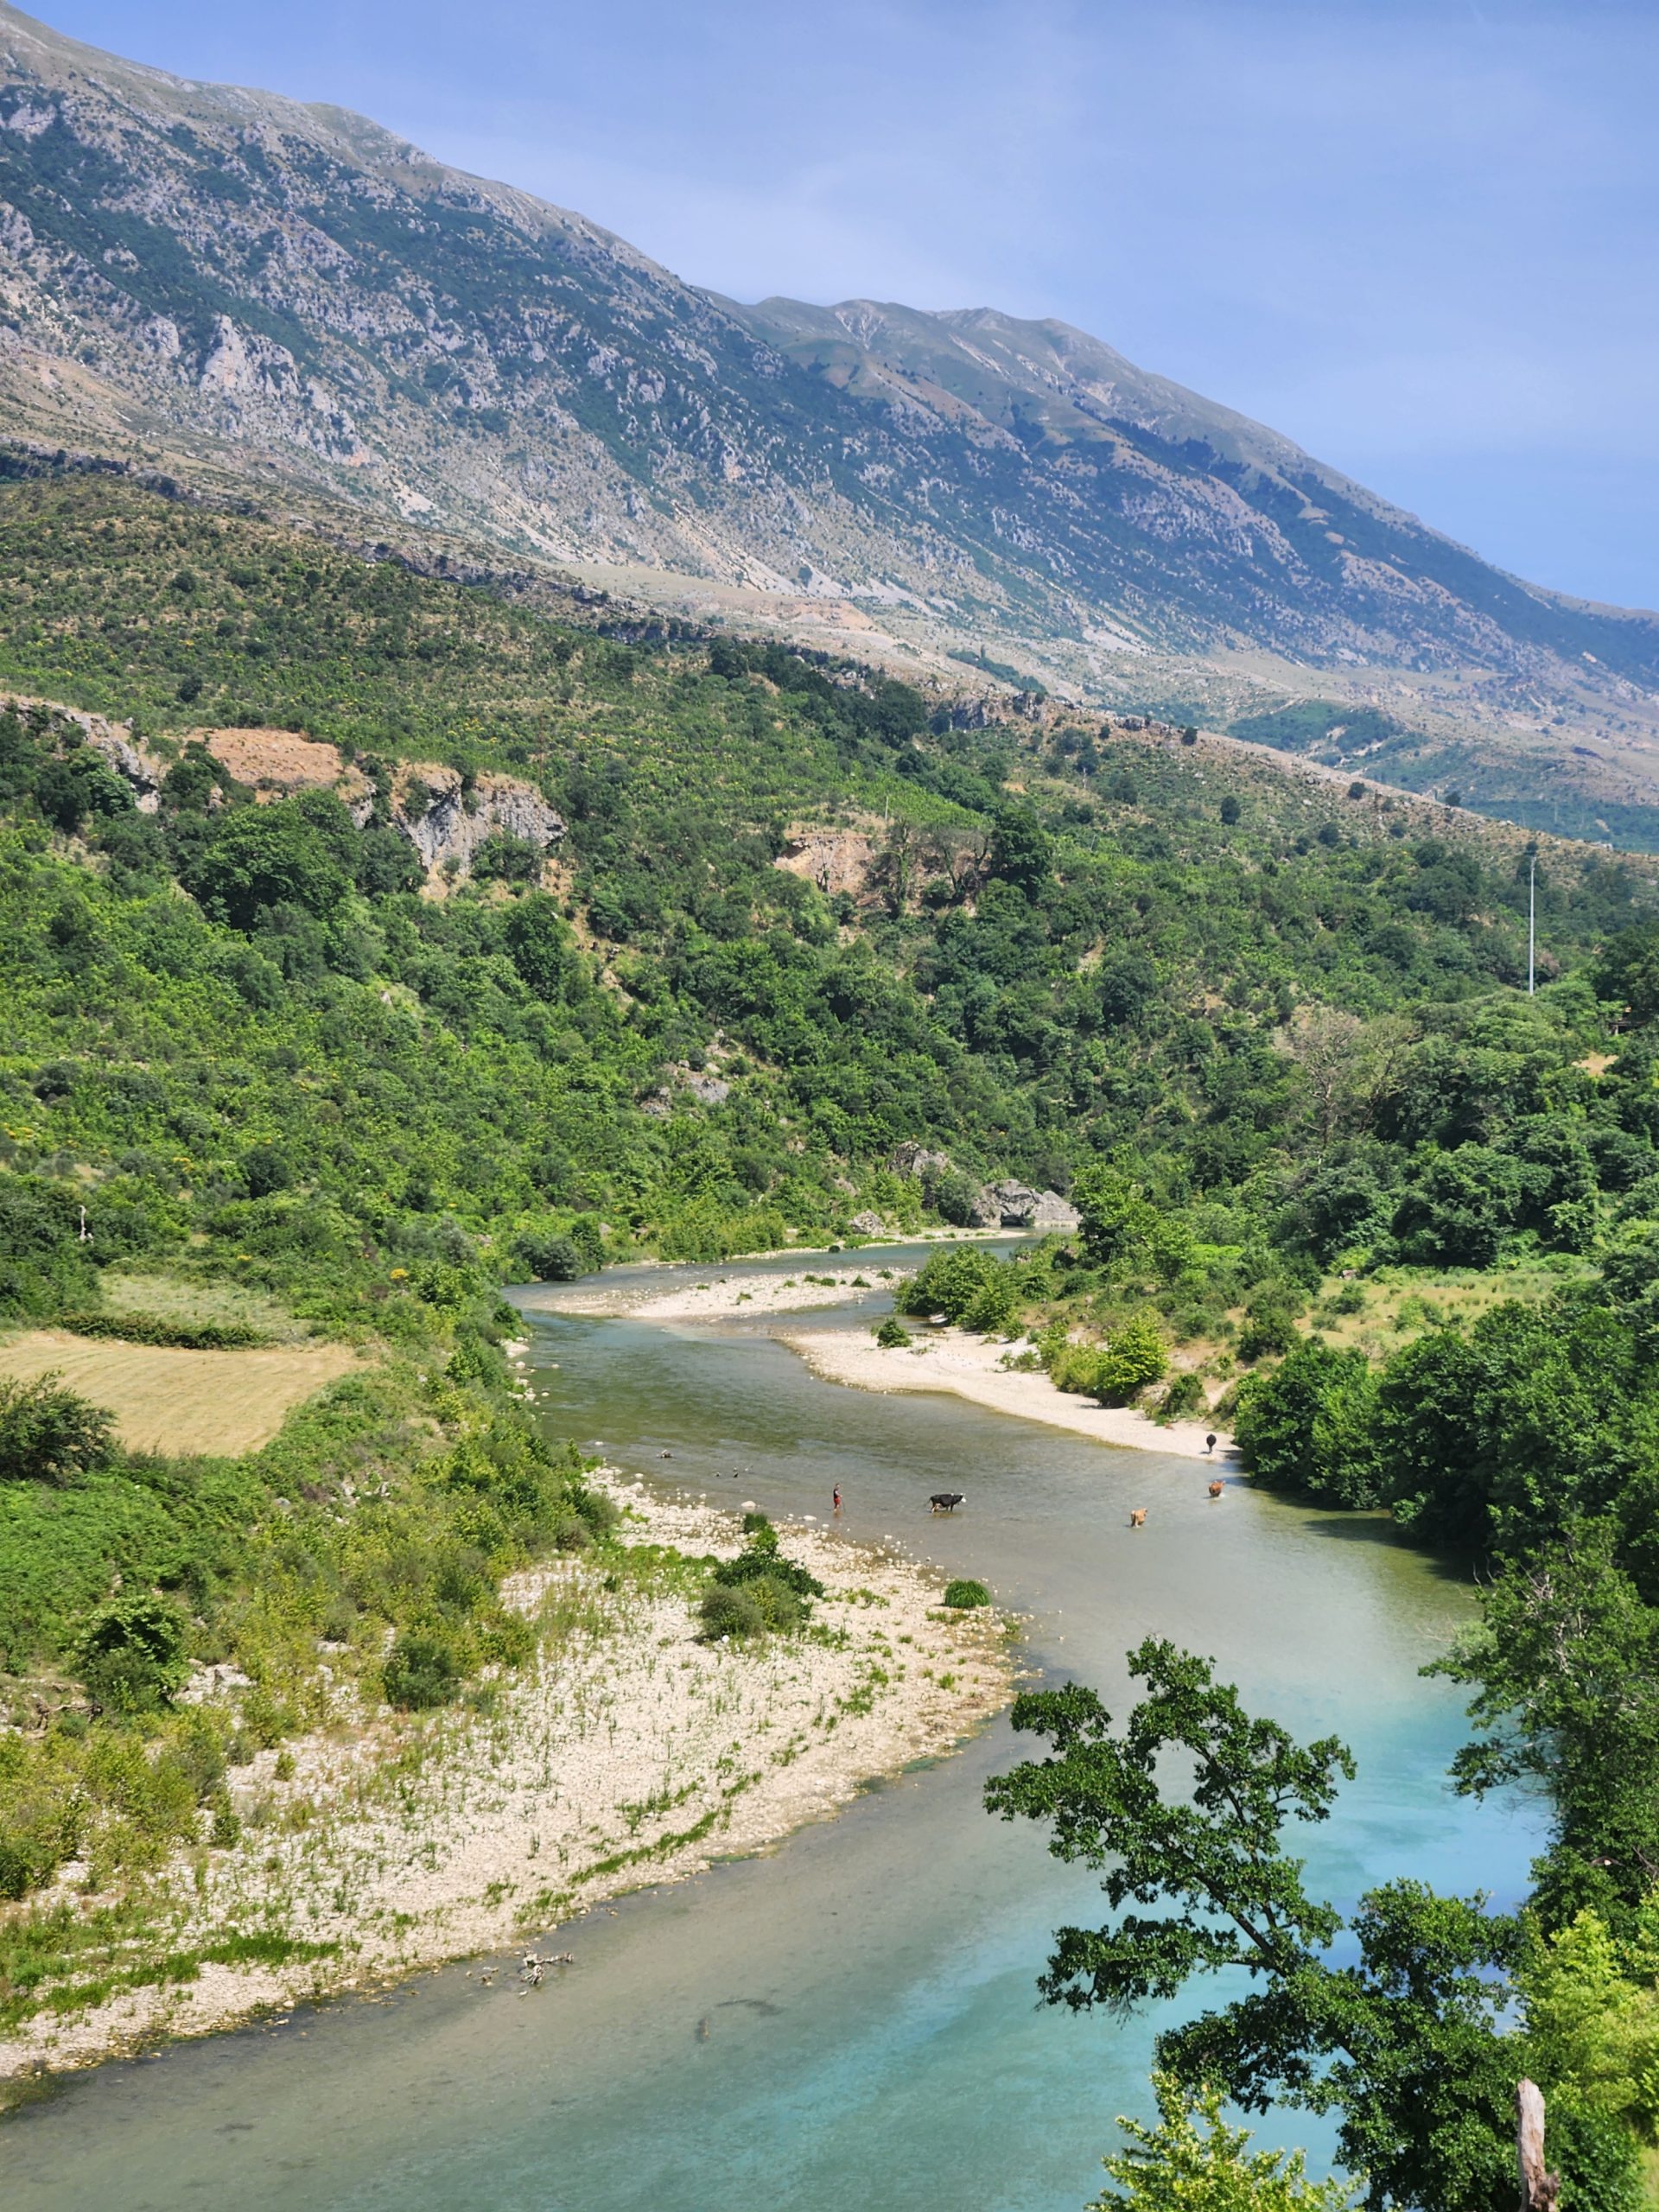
(274,1070)
(1056,945)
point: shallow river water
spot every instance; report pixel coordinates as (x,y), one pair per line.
(849,2022)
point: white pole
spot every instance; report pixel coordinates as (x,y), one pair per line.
(1531,914)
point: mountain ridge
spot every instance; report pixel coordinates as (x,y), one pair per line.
(262,291)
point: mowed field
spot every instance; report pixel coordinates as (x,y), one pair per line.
(181,1402)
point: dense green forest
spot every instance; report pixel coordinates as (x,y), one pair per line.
(263,1070)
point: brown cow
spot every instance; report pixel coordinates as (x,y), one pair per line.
(1137,1516)
(1214,1490)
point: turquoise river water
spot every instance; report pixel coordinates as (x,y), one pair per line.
(850,2023)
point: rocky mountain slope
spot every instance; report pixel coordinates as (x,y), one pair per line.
(255,292)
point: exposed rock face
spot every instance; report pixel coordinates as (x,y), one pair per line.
(868,1224)
(835,860)
(267,287)
(913,1159)
(1012,1205)
(1007,1204)
(1053,1211)
(710,1089)
(455,820)
(986,1211)
(141,769)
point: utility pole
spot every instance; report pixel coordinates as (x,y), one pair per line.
(1532,918)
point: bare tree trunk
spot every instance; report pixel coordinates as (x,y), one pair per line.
(1539,2189)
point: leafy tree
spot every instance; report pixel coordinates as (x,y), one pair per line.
(51,1434)
(1115,1215)
(1184,1812)
(268,856)
(1020,851)
(1193,2162)
(81,784)
(1627,971)
(133,1653)
(542,946)
(1308,1426)
(550,1257)
(1133,1357)
(1592,2018)
(1565,1668)
(951,1282)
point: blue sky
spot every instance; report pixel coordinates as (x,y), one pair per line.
(1421,237)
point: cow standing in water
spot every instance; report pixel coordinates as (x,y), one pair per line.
(947,1501)
(1138,1516)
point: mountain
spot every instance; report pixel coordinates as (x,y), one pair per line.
(266,296)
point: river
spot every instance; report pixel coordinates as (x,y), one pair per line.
(850,2023)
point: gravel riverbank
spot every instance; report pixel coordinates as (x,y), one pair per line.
(627,1754)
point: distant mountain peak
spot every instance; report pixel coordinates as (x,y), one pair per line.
(253,291)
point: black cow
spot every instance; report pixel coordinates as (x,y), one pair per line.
(946,1501)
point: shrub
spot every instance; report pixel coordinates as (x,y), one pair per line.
(227,1828)
(962,1593)
(729,1612)
(421,1672)
(892,1335)
(1133,1358)
(132,1654)
(153,1329)
(1184,1398)
(950,1283)
(761,1561)
(550,1258)
(781,1606)
(48,1435)
(1269,1330)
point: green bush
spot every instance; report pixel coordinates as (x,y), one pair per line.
(950,1281)
(421,1671)
(152,1329)
(1269,1329)
(781,1606)
(1184,1398)
(892,1335)
(48,1435)
(963,1593)
(132,1654)
(727,1612)
(765,1560)
(551,1256)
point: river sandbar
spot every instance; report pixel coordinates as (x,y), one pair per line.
(966,1366)
(627,1753)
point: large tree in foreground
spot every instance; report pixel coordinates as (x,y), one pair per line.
(1393,2021)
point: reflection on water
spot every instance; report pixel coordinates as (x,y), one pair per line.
(851,2021)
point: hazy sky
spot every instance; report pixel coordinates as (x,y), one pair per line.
(1421,237)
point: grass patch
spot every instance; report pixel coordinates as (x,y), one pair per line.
(181,1403)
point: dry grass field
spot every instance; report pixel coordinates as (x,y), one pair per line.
(181,1402)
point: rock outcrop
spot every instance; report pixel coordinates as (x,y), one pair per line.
(447,817)
(1007,1204)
